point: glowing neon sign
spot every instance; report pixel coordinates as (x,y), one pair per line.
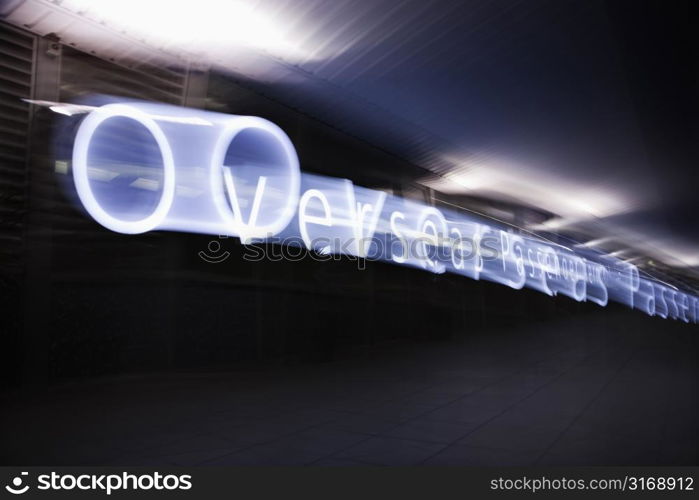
(139,167)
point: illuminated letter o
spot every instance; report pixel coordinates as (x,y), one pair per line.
(82,182)
(272,137)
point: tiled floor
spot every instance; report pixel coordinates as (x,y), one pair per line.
(576,392)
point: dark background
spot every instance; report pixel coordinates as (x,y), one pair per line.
(132,349)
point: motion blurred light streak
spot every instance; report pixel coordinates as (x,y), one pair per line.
(139,167)
(211,29)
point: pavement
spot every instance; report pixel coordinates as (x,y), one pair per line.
(609,388)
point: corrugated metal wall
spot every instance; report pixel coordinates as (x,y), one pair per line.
(83,73)
(16,74)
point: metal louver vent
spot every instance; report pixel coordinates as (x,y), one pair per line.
(16,68)
(83,73)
